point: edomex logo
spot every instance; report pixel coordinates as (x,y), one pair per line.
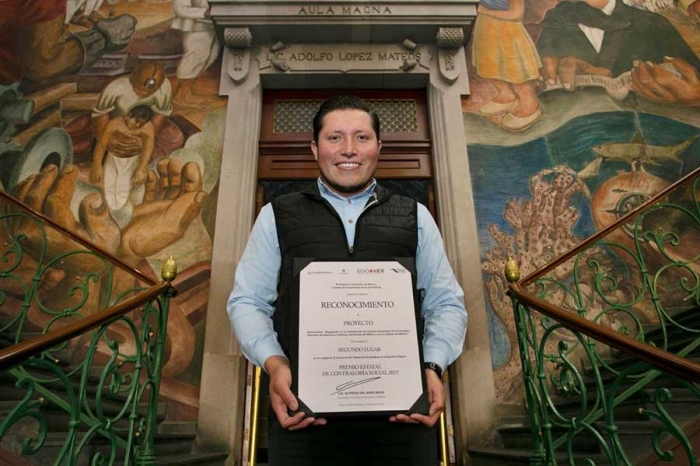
(370,270)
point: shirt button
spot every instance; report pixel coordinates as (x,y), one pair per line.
(350,221)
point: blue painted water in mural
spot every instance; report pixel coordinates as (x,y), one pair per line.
(500,173)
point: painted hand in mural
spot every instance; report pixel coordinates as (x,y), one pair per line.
(123,145)
(173,198)
(694,11)
(50,193)
(436,397)
(660,84)
(96,174)
(139,177)
(565,70)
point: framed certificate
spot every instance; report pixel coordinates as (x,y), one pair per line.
(359,348)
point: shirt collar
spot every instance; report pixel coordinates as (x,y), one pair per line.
(610,7)
(326,191)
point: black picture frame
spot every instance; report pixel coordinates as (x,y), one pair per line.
(421,405)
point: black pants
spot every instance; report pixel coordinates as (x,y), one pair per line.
(351,442)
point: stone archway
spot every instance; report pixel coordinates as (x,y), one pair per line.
(392,45)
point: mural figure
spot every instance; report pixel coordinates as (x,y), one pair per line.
(121,175)
(117,161)
(504,54)
(200,49)
(605,37)
(146,85)
(35,42)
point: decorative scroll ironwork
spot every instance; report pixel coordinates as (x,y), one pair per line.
(642,280)
(93,399)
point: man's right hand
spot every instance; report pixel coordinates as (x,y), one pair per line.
(565,69)
(282,398)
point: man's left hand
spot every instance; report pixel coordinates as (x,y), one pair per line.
(436,396)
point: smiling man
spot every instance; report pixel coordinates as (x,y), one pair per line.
(346,214)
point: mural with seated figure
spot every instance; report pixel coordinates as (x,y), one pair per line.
(613,118)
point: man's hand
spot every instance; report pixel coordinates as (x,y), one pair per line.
(436,396)
(123,145)
(565,70)
(659,84)
(282,398)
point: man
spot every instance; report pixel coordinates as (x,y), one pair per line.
(345,214)
(146,85)
(605,37)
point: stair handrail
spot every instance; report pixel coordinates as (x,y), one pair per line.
(529,279)
(140,382)
(79,239)
(659,358)
(666,361)
(686,370)
(26,349)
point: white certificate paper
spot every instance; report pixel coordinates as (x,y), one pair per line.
(358,343)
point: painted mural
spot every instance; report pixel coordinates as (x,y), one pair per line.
(583,102)
(122,145)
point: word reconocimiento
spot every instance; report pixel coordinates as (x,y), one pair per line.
(357,304)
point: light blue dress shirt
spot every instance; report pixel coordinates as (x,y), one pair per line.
(251,304)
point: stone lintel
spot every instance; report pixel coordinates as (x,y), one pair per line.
(345,58)
(350,21)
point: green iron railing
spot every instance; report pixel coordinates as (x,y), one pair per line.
(608,333)
(82,342)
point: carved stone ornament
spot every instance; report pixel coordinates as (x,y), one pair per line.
(239,64)
(238,38)
(239,41)
(449,37)
(449,42)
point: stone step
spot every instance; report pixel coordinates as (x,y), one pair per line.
(514,457)
(57,419)
(192,459)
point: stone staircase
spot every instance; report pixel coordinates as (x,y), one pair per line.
(174,441)
(635,429)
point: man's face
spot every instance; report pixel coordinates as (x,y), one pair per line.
(134,122)
(347,151)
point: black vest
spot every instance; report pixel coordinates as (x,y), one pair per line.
(309,226)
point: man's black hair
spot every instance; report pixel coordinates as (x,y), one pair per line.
(343,102)
(142,112)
